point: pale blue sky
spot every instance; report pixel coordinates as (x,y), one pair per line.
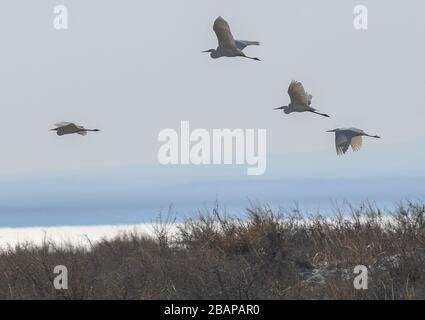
(133,68)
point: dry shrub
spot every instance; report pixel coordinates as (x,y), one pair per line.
(264,255)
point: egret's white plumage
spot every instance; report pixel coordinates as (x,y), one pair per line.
(227,45)
(300,100)
(62,124)
(224,34)
(344,138)
(298,94)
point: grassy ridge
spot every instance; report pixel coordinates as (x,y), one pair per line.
(265,255)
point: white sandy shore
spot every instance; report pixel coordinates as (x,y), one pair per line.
(77,235)
(84,235)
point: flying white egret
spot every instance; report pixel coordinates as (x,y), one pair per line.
(227,45)
(300,100)
(351,136)
(63,128)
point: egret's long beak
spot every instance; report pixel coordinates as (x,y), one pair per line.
(280,108)
(206,51)
(331,131)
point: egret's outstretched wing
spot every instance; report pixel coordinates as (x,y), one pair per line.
(342,143)
(356,143)
(242,44)
(62,124)
(224,35)
(298,95)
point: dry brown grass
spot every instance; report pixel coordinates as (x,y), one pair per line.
(264,255)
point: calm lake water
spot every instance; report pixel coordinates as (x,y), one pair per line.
(93,200)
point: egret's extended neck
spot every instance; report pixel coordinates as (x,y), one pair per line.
(213,53)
